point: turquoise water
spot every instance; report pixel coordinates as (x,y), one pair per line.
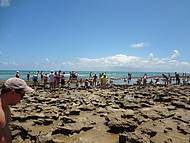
(5,74)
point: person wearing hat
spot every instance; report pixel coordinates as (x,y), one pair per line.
(12,92)
(17,74)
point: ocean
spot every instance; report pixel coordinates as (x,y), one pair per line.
(5,74)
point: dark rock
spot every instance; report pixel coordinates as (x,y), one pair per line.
(44,122)
(23,132)
(74,112)
(145,105)
(28,117)
(122,138)
(67,120)
(178,104)
(149,132)
(118,126)
(157,98)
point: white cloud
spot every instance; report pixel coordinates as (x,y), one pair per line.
(175,54)
(185,63)
(138,45)
(4,3)
(118,62)
(111,61)
(127,63)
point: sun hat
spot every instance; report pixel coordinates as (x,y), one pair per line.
(18,84)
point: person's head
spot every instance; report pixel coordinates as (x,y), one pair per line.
(14,89)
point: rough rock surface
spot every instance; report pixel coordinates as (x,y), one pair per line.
(150,114)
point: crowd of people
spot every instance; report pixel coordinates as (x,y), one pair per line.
(56,79)
(164,79)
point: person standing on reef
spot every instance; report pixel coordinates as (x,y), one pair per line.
(51,80)
(17,74)
(177,78)
(144,79)
(95,77)
(28,76)
(63,79)
(12,92)
(165,79)
(45,78)
(169,79)
(129,77)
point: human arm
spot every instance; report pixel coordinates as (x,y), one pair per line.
(2,118)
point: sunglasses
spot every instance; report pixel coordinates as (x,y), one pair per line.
(21,93)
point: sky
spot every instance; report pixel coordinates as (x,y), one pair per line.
(95,35)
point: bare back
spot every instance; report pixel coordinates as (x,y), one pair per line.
(5,133)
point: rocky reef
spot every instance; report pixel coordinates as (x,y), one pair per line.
(119,114)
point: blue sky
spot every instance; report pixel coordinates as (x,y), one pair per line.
(119,35)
